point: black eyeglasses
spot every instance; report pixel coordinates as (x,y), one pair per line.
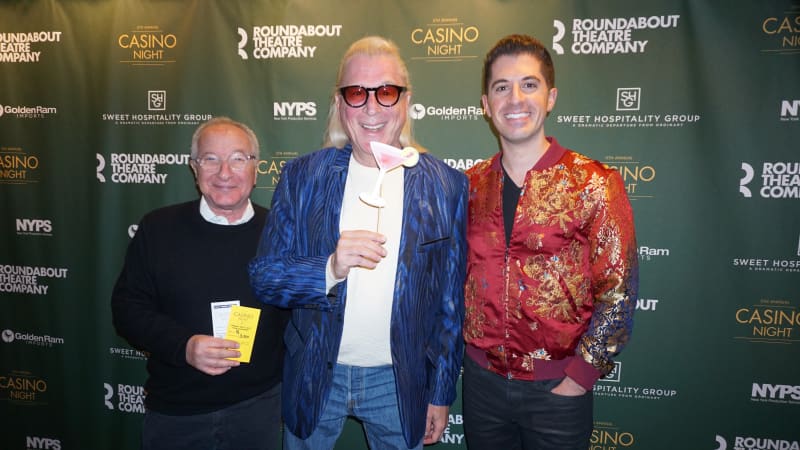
(356,96)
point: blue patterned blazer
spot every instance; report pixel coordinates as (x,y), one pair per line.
(428,310)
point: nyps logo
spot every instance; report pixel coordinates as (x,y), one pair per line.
(790,110)
(36,227)
(775,393)
(42,443)
(294,111)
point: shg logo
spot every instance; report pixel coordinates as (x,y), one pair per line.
(156,100)
(8,336)
(746,179)
(628,99)
(417,111)
(723,444)
(1,110)
(615,375)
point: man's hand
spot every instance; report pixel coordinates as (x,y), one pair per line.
(357,248)
(569,388)
(207,354)
(435,423)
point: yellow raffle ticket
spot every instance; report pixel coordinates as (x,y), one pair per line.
(242,326)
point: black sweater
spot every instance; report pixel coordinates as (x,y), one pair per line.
(178,264)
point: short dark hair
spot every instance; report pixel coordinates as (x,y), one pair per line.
(515,44)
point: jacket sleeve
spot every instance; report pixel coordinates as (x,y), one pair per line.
(282,274)
(136,312)
(615,278)
(448,357)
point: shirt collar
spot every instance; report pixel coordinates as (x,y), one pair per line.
(209,215)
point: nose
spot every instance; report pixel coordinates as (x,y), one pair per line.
(225,170)
(372,105)
(516,92)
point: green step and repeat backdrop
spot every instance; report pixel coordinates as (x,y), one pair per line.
(696,103)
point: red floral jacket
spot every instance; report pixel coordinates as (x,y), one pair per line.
(559,299)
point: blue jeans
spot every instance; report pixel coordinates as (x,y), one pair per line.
(252,424)
(368,394)
(516,414)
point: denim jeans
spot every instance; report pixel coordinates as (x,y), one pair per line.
(516,414)
(368,394)
(252,424)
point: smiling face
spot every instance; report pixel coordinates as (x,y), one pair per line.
(372,122)
(518,100)
(226,190)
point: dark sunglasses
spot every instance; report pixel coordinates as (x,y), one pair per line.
(356,96)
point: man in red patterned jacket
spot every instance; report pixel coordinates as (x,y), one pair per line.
(552,274)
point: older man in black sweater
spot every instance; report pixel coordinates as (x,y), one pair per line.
(184,260)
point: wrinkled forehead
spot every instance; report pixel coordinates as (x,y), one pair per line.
(224,138)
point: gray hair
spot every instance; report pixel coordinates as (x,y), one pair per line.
(222,120)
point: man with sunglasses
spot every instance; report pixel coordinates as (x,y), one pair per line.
(376,293)
(185,262)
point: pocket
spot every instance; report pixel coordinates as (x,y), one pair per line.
(433,244)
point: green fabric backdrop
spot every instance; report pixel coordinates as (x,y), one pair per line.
(697,103)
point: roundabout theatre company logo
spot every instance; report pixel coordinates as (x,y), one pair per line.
(777,179)
(605,36)
(284,41)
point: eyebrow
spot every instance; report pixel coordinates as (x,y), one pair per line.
(527,78)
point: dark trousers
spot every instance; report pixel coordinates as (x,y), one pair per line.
(252,424)
(515,414)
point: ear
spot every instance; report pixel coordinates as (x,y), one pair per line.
(485,103)
(551,99)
